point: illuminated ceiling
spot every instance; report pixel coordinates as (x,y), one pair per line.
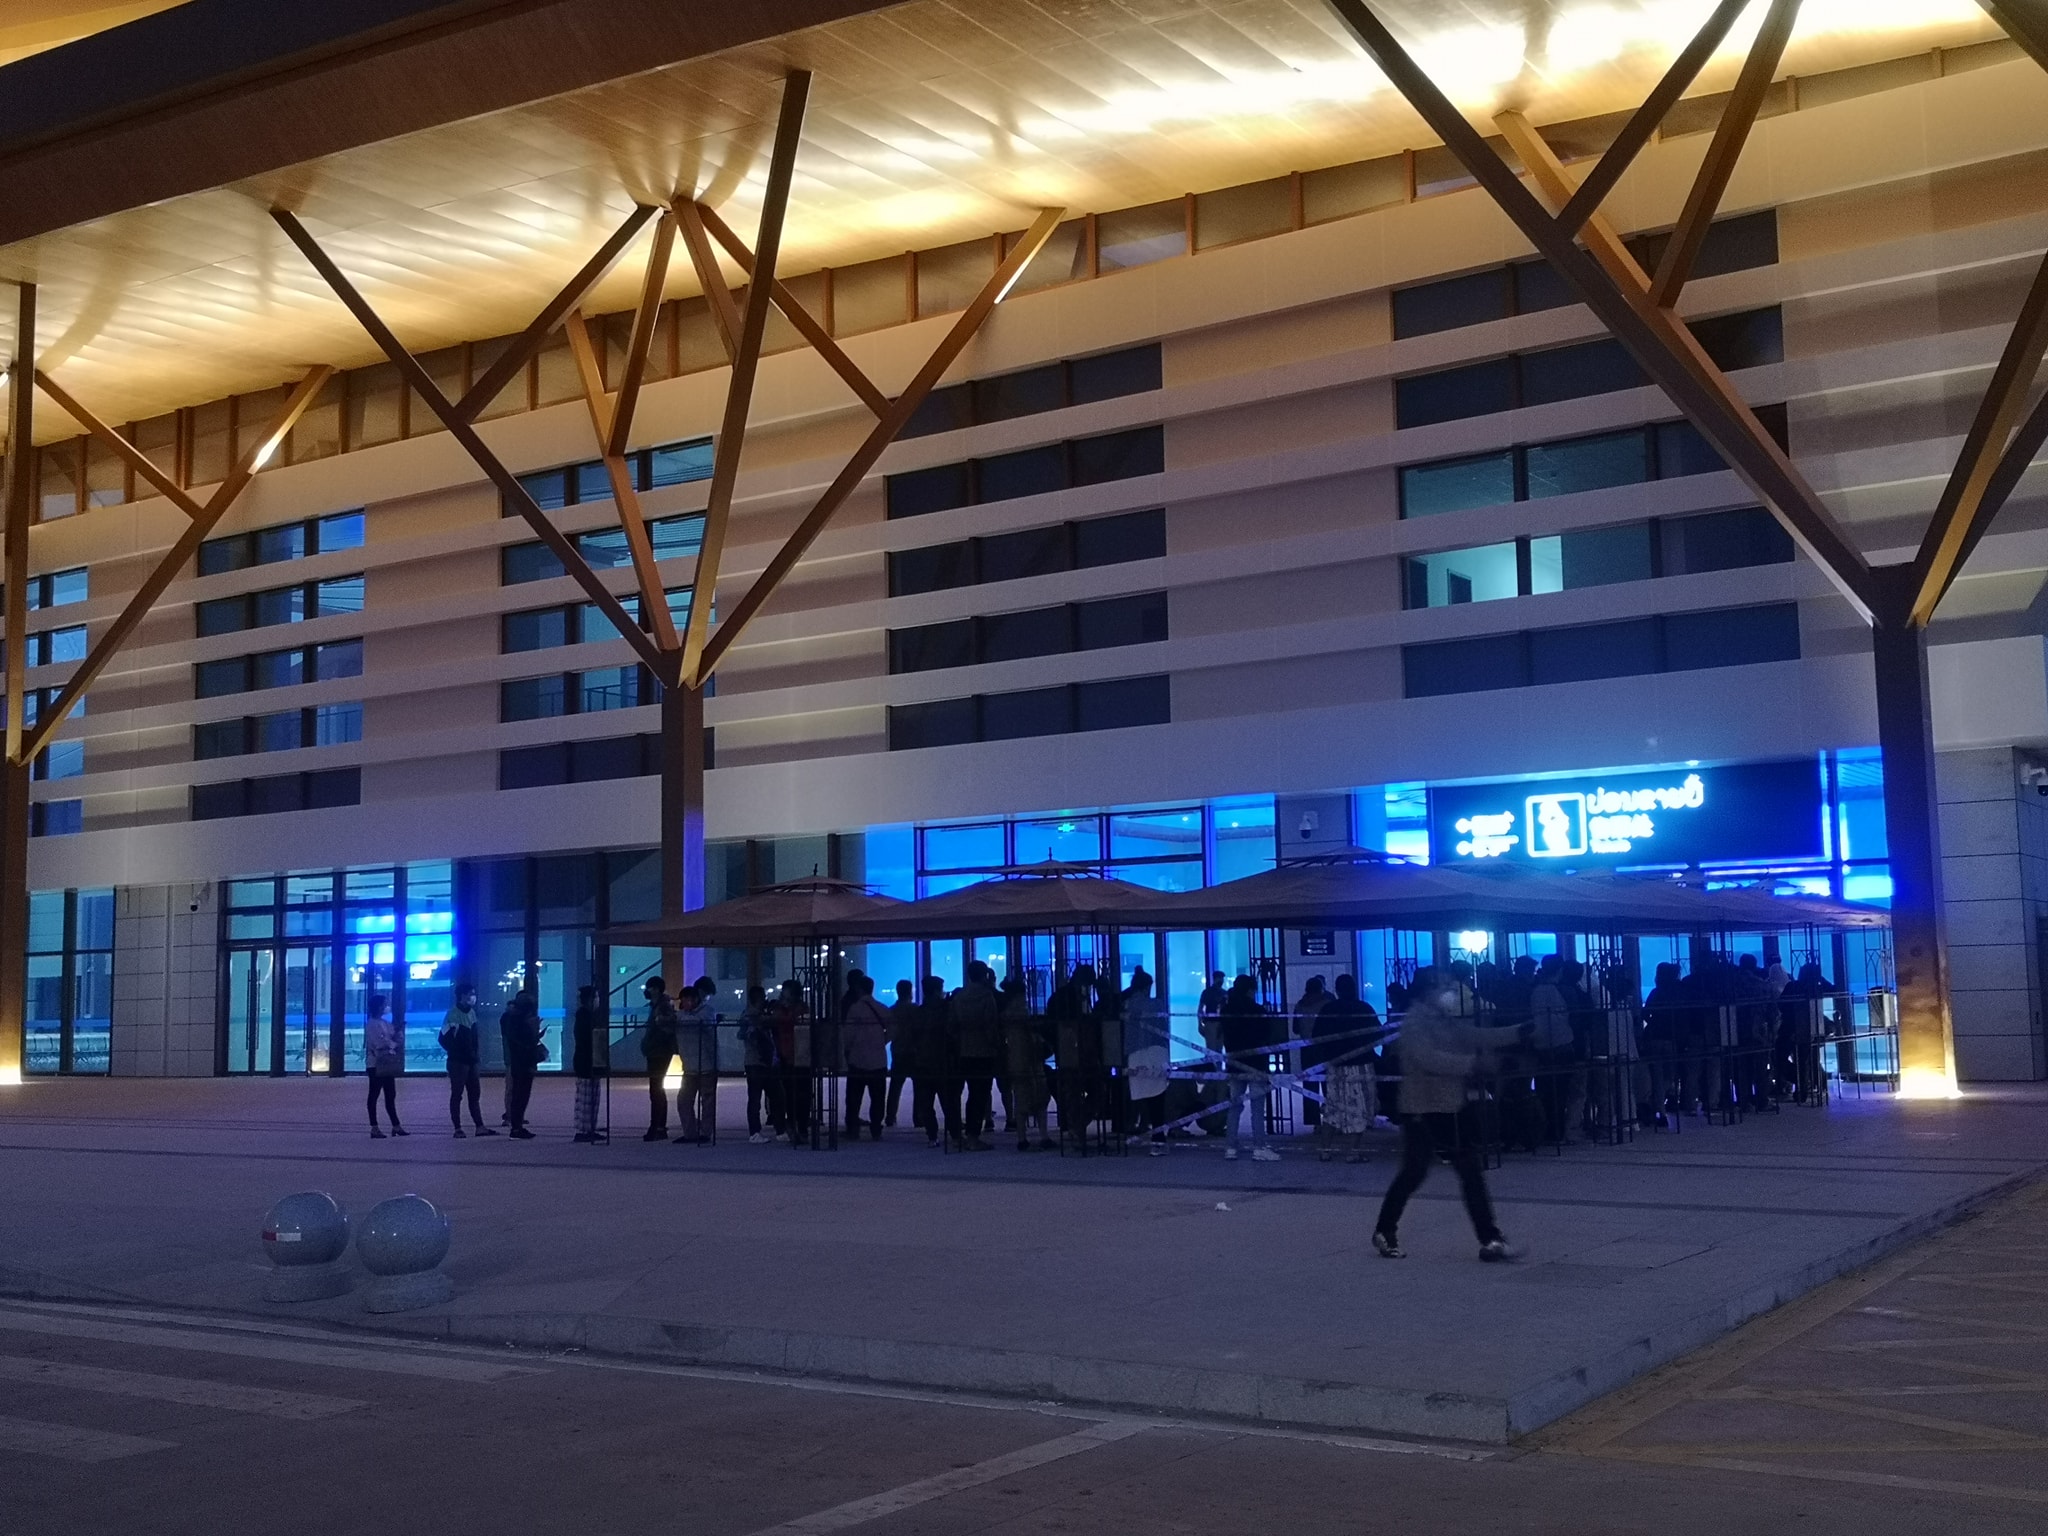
(933,121)
(30,26)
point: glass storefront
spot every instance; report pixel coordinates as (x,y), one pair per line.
(70,982)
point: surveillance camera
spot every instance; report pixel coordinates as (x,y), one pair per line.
(195,903)
(2036,775)
(1310,820)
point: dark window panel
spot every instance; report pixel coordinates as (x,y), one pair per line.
(1134,620)
(1458,485)
(520,563)
(1032,632)
(1732,245)
(1010,395)
(334,787)
(532,767)
(1599,557)
(605,549)
(538,630)
(532,698)
(944,723)
(935,568)
(1773,419)
(1451,394)
(943,410)
(278,669)
(1030,712)
(275,544)
(219,738)
(340,658)
(211,802)
(1119,456)
(927,647)
(1538,287)
(1569,373)
(1588,463)
(1683,450)
(675,536)
(679,463)
(219,556)
(1115,540)
(1028,552)
(1414,583)
(1133,371)
(1731,637)
(549,489)
(344,594)
(283,792)
(280,605)
(1751,339)
(281,732)
(223,616)
(612,757)
(937,489)
(334,724)
(1464,666)
(1724,541)
(1451,303)
(1122,702)
(216,679)
(592,483)
(1582,652)
(1029,472)
(56,818)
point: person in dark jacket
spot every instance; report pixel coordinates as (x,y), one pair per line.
(383,1060)
(1664,1024)
(589,1033)
(519,1028)
(902,1026)
(658,1046)
(764,1082)
(930,1067)
(793,1044)
(1341,1043)
(1248,1042)
(864,1041)
(460,1041)
(974,1016)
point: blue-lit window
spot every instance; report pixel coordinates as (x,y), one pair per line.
(575,484)
(328,725)
(291,541)
(51,647)
(55,589)
(972,847)
(280,605)
(70,967)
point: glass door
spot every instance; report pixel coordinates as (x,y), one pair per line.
(308,1012)
(253,1045)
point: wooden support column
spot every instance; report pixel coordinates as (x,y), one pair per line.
(682,821)
(16,506)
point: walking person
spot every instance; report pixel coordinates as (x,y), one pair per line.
(519,1028)
(697,1052)
(383,1059)
(977,1036)
(902,1025)
(461,1043)
(1247,1032)
(1442,1044)
(864,1039)
(658,1046)
(764,1086)
(589,1029)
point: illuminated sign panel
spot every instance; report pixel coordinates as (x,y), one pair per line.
(1752,811)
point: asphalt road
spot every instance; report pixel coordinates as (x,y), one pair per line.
(1911,1398)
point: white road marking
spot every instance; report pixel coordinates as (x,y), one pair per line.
(844,1516)
(174,1389)
(64,1442)
(388,1362)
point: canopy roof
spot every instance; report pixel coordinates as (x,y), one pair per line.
(792,912)
(1036,898)
(931,122)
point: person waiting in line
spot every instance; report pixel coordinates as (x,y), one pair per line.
(1315,997)
(658,1048)
(931,1068)
(902,1025)
(1801,1027)
(864,1042)
(1209,1010)
(383,1060)
(588,1035)
(1024,1065)
(977,1038)
(697,1053)
(1663,1027)
(519,1028)
(764,1084)
(792,1023)
(1146,1059)
(1248,1043)
(1070,1018)
(460,1042)
(1342,1037)
(1550,1020)
(1754,1035)
(1443,1042)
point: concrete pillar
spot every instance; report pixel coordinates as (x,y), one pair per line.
(1994,843)
(682,821)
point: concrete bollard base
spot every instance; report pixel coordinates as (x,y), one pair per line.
(405,1293)
(307,1282)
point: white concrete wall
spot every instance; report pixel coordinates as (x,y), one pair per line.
(165,980)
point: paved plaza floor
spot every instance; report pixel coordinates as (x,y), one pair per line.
(1181,1284)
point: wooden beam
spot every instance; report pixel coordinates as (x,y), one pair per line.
(739,391)
(1730,134)
(136,459)
(173,563)
(807,324)
(1663,347)
(653,599)
(883,433)
(17,511)
(530,340)
(725,315)
(465,434)
(2013,464)
(642,338)
(1644,121)
(1554,184)
(1963,501)
(2024,22)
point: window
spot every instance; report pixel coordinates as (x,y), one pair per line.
(570,693)
(281,605)
(1077,381)
(1029,472)
(291,541)
(56,589)
(580,762)
(56,818)
(70,971)
(1664,451)
(575,484)
(1525,287)
(277,669)
(1042,551)
(1585,368)
(52,647)
(280,792)
(1678,642)
(603,548)
(1101,706)
(327,725)
(1596,557)
(1130,620)
(540,629)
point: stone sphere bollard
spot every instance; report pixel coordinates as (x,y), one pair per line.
(304,1235)
(402,1243)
